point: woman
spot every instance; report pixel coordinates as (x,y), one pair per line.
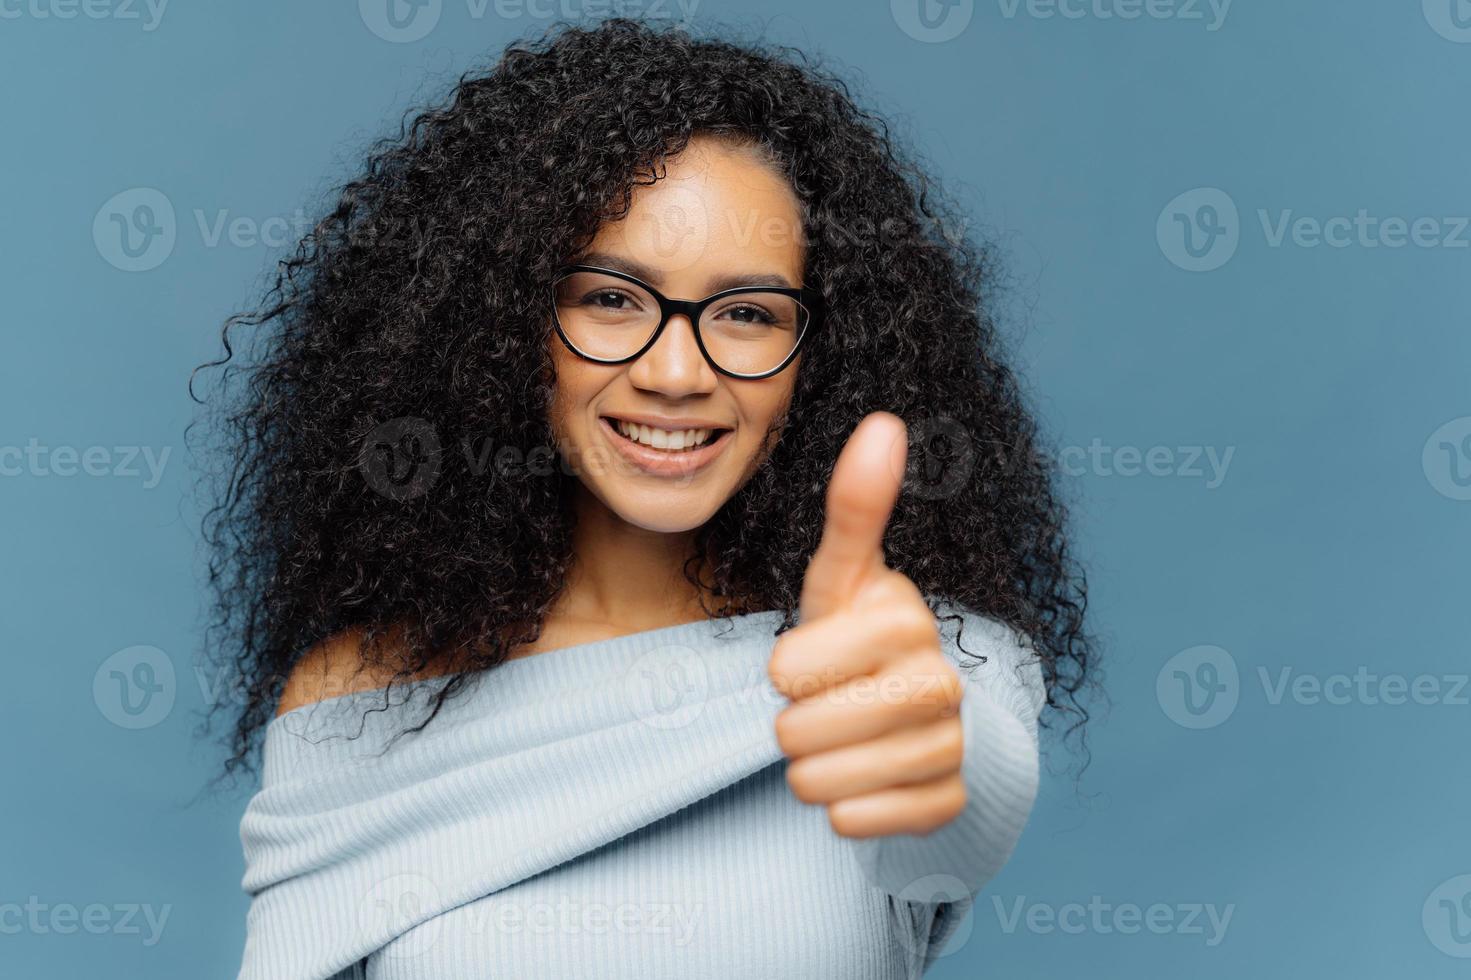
(588,652)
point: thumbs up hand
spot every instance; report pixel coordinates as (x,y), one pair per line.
(873,731)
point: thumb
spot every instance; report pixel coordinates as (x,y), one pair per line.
(860,498)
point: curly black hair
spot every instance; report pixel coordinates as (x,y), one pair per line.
(421,302)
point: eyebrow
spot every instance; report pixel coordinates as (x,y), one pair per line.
(655,278)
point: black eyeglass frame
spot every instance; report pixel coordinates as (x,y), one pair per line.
(810,300)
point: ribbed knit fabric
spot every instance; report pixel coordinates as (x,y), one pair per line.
(613,809)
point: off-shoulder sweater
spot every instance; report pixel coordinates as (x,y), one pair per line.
(615,809)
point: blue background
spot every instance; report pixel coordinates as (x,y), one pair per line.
(1329,545)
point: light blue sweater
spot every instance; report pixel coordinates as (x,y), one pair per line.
(613,809)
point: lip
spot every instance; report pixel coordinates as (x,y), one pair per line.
(661,462)
(672,424)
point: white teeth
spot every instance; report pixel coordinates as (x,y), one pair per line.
(668,440)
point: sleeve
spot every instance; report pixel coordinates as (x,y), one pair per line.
(1002,700)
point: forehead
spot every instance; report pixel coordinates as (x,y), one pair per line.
(717,210)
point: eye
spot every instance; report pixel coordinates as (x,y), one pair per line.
(748,313)
(610,299)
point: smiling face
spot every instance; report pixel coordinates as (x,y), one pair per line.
(720,216)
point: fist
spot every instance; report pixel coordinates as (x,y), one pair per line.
(873,730)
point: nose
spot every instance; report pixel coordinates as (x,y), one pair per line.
(674,366)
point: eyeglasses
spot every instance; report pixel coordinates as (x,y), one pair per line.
(747,332)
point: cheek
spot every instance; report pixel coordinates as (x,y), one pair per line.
(775,403)
(576,384)
(764,411)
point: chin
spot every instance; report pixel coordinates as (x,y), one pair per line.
(672,512)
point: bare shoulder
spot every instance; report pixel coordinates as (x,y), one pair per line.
(332,668)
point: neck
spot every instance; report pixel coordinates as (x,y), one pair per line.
(627,576)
